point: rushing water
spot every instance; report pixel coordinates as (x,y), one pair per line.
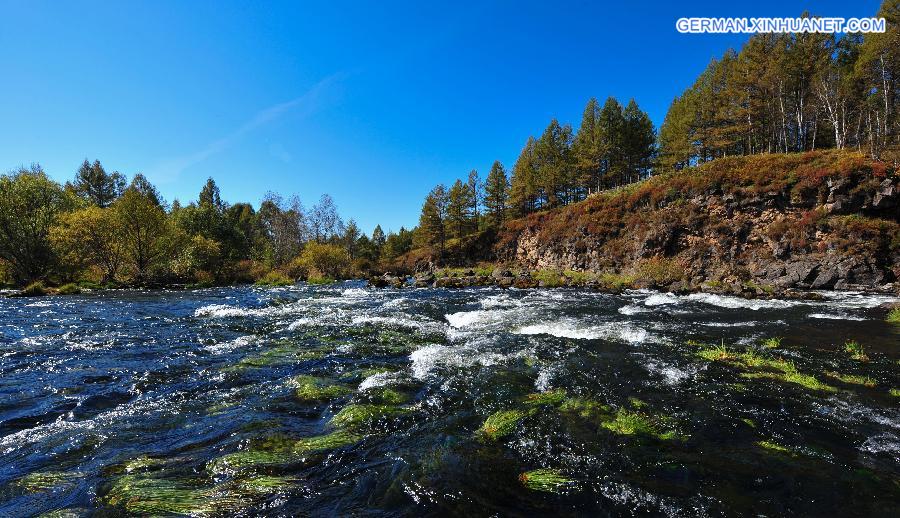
(204,402)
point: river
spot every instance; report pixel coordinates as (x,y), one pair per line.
(343,399)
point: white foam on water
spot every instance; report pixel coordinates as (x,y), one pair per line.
(355,293)
(467,318)
(619,331)
(219,311)
(732,324)
(882,443)
(632,309)
(499,301)
(730,302)
(378,380)
(545,376)
(671,374)
(857,299)
(241,341)
(661,299)
(400,321)
(432,357)
(835,316)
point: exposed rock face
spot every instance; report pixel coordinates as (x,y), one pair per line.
(831,227)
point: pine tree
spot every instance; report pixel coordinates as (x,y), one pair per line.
(675,142)
(378,239)
(553,159)
(433,219)
(476,189)
(459,209)
(639,142)
(351,236)
(609,142)
(586,151)
(95,185)
(496,190)
(523,186)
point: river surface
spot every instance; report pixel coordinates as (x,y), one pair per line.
(347,400)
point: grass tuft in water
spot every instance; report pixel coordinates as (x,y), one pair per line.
(894,392)
(585,408)
(250,459)
(804,380)
(627,422)
(355,416)
(311,388)
(46,480)
(143,495)
(772,343)
(775,447)
(262,484)
(68,289)
(500,424)
(547,480)
(851,379)
(893,316)
(855,350)
(390,396)
(553,397)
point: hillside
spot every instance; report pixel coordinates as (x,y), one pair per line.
(755,224)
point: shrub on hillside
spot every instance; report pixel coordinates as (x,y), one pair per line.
(325,260)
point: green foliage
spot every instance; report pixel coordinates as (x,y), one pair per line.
(553,397)
(549,278)
(547,480)
(855,350)
(274,278)
(358,415)
(627,422)
(775,447)
(500,424)
(496,197)
(772,342)
(325,261)
(68,289)
(310,388)
(90,237)
(852,379)
(35,289)
(893,316)
(29,205)
(47,480)
(96,186)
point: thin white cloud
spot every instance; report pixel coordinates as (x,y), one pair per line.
(169,170)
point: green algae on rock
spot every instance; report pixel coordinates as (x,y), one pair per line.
(500,424)
(547,480)
(311,388)
(358,415)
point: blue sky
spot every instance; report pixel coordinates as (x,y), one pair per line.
(372,102)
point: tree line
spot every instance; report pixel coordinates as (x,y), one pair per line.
(792,93)
(106,230)
(614,146)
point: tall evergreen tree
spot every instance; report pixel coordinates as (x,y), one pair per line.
(524,184)
(378,239)
(609,142)
(433,219)
(459,209)
(95,185)
(586,150)
(496,189)
(476,189)
(639,142)
(553,158)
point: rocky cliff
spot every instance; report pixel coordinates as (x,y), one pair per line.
(764,223)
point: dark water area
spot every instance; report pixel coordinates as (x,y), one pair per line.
(345,400)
